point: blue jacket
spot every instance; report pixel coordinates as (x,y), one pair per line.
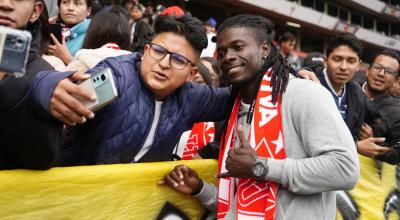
(119,130)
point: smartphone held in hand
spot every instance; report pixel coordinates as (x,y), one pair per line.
(56,30)
(102,84)
(14,50)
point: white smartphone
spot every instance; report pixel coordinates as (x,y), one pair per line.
(102,84)
(14,50)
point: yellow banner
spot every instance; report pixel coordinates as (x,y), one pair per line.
(121,191)
(372,196)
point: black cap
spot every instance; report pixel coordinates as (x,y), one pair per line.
(314,60)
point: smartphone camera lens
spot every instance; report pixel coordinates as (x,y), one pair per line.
(20,41)
(103,77)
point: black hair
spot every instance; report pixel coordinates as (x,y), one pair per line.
(106,27)
(287,36)
(39,30)
(88,3)
(142,36)
(45,39)
(344,39)
(261,30)
(205,73)
(223,80)
(96,7)
(388,52)
(189,27)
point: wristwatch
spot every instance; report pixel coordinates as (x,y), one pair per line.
(259,169)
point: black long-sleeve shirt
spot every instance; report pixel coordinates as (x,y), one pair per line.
(387,125)
(27,140)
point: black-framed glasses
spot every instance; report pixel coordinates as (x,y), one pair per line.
(177,61)
(378,68)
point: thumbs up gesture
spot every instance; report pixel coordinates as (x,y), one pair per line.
(240,160)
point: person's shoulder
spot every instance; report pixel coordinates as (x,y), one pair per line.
(303,87)
(305,97)
(396,103)
(302,94)
(102,53)
(192,89)
(129,58)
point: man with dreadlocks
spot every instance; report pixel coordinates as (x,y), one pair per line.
(285,149)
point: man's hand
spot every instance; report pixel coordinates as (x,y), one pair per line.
(60,50)
(240,160)
(369,148)
(306,74)
(365,132)
(182,179)
(67,108)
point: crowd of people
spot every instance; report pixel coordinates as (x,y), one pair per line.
(288,131)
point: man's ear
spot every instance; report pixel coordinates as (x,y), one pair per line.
(146,47)
(265,49)
(359,65)
(37,11)
(325,62)
(193,72)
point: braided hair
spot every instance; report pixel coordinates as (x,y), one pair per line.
(263,31)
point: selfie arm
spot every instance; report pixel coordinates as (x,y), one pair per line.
(43,87)
(212,104)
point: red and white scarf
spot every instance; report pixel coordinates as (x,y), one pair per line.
(202,133)
(254,200)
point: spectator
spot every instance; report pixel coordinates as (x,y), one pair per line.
(382,74)
(27,140)
(140,30)
(287,43)
(210,26)
(128,4)
(155,105)
(342,61)
(203,76)
(213,68)
(45,40)
(73,19)
(316,157)
(107,36)
(149,15)
(314,61)
(159,10)
(395,90)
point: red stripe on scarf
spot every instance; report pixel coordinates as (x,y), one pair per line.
(202,133)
